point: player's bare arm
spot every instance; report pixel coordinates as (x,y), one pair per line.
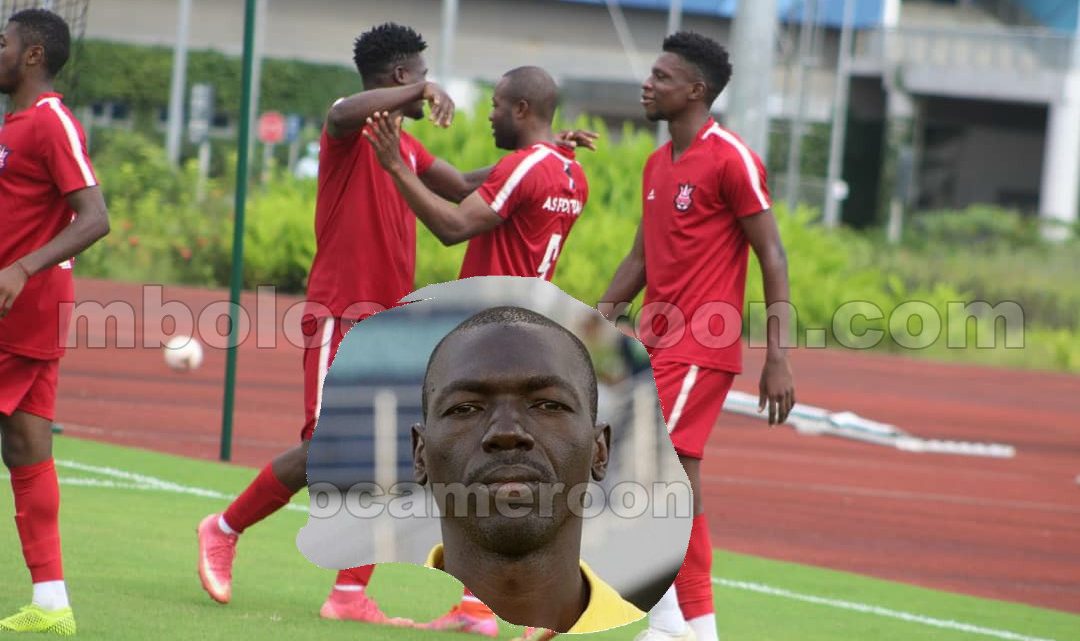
(348,115)
(91,224)
(450,183)
(451,224)
(777,387)
(628,281)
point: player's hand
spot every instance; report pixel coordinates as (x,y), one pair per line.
(440,105)
(12,280)
(577,138)
(384,134)
(777,388)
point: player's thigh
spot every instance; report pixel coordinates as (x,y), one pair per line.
(27,407)
(692,398)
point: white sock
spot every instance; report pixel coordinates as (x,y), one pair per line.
(705,627)
(225,526)
(349,588)
(666,615)
(51,595)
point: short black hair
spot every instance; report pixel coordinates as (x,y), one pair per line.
(45,28)
(707,55)
(376,52)
(509,315)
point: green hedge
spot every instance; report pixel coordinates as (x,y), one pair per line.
(161,234)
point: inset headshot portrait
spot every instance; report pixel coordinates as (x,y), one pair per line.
(503,432)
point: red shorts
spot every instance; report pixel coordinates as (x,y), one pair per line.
(691,398)
(28,385)
(322,337)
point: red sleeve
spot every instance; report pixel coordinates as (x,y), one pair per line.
(424,159)
(742,182)
(503,189)
(63,147)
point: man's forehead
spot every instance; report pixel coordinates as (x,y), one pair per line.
(500,350)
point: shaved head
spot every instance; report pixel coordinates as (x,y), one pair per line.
(536,87)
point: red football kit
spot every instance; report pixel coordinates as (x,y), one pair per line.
(43,159)
(539,191)
(695,264)
(365,257)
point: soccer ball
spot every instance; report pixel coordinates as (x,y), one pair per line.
(183,353)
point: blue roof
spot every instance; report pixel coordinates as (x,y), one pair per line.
(831,12)
(1056,14)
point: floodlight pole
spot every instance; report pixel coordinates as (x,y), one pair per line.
(238,228)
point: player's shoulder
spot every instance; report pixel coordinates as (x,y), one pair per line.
(51,112)
(724,143)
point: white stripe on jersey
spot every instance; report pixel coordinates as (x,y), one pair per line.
(747,158)
(519,173)
(73,139)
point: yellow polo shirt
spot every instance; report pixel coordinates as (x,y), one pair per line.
(606,608)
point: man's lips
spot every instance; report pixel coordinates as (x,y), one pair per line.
(511,474)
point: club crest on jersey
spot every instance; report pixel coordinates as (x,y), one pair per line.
(684,199)
(4,153)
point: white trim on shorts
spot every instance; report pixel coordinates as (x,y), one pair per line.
(324,361)
(684,392)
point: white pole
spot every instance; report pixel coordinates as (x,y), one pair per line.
(839,123)
(674,23)
(449,32)
(385,467)
(179,77)
(204,170)
(747,112)
(794,170)
(1061,158)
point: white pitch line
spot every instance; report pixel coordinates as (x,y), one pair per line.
(876,611)
(134,481)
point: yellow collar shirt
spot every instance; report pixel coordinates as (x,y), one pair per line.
(606,608)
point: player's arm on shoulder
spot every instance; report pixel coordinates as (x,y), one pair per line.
(447,181)
(348,115)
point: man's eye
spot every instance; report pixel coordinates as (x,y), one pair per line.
(552,406)
(462,410)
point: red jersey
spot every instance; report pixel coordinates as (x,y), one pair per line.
(695,252)
(365,233)
(539,192)
(42,160)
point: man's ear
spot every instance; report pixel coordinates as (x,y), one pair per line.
(34,55)
(698,90)
(601,450)
(521,109)
(419,465)
(399,74)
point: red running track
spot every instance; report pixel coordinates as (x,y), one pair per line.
(1006,529)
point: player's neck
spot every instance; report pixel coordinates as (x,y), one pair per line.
(27,93)
(542,589)
(684,128)
(530,138)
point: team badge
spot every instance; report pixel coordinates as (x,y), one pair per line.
(684,199)
(4,153)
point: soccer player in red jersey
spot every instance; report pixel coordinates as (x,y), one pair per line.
(50,210)
(517,221)
(705,204)
(364,263)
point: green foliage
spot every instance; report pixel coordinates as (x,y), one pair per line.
(162,234)
(139,76)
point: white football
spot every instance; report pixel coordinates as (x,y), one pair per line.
(183,353)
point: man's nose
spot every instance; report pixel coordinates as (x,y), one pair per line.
(506,430)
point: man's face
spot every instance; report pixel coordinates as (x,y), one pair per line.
(509,412)
(669,88)
(414,70)
(11,55)
(503,127)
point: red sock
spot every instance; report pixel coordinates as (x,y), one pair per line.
(37,518)
(263,497)
(693,584)
(358,576)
